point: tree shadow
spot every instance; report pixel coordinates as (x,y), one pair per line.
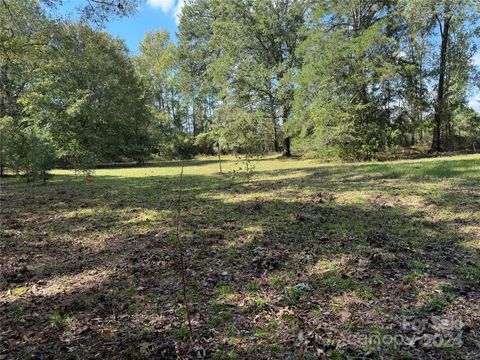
(102,274)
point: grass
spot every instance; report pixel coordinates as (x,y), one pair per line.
(301,250)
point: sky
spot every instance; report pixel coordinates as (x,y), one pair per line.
(152,15)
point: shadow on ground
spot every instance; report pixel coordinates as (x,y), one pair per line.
(299,262)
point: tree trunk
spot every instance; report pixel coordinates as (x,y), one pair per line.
(440,102)
(276,145)
(219,156)
(286,147)
(286,140)
(4,90)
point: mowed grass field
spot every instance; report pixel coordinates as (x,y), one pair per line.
(303,261)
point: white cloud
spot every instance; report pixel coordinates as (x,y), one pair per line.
(476,59)
(169,6)
(474,102)
(178,10)
(164,5)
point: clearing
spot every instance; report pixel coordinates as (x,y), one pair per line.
(306,260)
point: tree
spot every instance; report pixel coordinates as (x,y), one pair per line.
(454,23)
(157,65)
(195,56)
(344,97)
(368,71)
(257,41)
(90,99)
(39,153)
(24,38)
(95,11)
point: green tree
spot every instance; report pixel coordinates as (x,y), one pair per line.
(345,94)
(195,56)
(90,99)
(452,24)
(257,41)
(24,39)
(157,66)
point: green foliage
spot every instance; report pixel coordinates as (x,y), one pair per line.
(244,166)
(257,43)
(341,79)
(253,288)
(293,294)
(26,149)
(277,282)
(91,101)
(181,332)
(335,103)
(365,292)
(58,319)
(224,355)
(195,55)
(19,291)
(364,83)
(39,153)
(469,274)
(220,318)
(68,93)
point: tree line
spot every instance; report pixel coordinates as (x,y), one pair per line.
(336,79)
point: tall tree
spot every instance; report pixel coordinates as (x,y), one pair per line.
(157,64)
(24,40)
(195,55)
(257,42)
(345,87)
(454,23)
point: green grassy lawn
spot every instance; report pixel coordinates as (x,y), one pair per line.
(304,261)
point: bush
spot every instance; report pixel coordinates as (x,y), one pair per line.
(27,149)
(39,154)
(205,143)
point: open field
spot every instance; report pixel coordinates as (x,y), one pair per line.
(304,261)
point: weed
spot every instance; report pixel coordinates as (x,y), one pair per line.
(181,332)
(147,330)
(59,320)
(410,278)
(469,274)
(253,288)
(17,292)
(277,282)
(273,324)
(224,355)
(365,293)
(225,292)
(220,318)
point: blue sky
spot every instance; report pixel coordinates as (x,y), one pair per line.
(152,15)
